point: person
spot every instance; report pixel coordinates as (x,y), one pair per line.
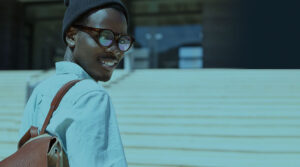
(95,32)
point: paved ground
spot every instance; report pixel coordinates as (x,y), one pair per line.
(187,118)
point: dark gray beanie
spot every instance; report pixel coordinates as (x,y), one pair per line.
(77,8)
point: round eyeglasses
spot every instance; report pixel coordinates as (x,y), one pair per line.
(106,37)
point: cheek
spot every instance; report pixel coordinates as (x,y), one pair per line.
(86,47)
(90,42)
(85,41)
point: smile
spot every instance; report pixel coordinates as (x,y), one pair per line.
(109,62)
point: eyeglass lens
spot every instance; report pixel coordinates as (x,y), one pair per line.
(106,38)
(124,43)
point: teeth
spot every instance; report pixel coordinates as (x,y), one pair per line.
(108,63)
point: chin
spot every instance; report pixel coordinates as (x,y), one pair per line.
(103,78)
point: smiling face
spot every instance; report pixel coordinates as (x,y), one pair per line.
(97,61)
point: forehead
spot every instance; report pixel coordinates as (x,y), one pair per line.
(108,18)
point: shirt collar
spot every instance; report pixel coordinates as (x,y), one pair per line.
(66,67)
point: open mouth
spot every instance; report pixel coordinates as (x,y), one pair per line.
(108,62)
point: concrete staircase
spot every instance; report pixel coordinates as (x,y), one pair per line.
(191,118)
(12,103)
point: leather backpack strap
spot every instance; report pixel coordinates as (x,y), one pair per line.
(31,133)
(55,102)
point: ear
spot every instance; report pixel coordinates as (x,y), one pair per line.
(71,37)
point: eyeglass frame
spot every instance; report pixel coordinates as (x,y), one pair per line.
(117,36)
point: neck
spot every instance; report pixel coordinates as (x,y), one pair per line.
(68,55)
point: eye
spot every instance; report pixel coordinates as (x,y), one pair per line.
(124,43)
(106,38)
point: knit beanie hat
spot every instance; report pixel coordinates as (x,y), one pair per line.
(77,8)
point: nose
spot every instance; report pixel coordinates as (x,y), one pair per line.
(114,49)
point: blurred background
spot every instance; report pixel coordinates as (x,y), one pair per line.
(216,82)
(169,33)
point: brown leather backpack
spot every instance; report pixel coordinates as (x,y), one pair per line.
(40,150)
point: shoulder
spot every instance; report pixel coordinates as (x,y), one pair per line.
(52,84)
(85,87)
(88,86)
(87,91)
(88,95)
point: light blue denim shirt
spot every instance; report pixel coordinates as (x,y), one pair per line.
(85,120)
